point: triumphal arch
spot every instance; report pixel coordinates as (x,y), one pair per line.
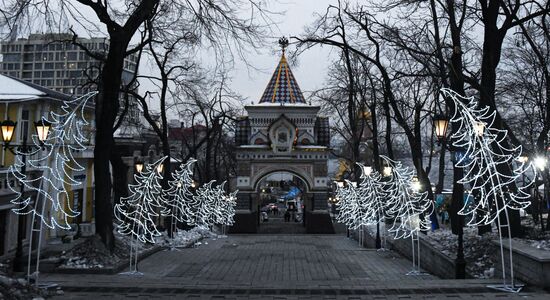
(282,133)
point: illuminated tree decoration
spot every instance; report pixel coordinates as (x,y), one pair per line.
(54,159)
(409,208)
(372,200)
(137,212)
(206,213)
(179,202)
(227,206)
(349,212)
(370,193)
(486,154)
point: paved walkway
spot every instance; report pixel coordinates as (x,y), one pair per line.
(277,225)
(276,267)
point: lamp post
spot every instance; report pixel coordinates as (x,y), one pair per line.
(415,184)
(523,159)
(7,128)
(138,164)
(441,124)
(386,172)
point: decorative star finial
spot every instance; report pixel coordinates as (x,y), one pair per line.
(283,42)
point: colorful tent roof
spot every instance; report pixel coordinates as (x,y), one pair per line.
(282,88)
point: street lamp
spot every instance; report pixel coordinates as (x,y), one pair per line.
(441,124)
(479,128)
(540,162)
(367,170)
(415,184)
(42,129)
(387,171)
(523,158)
(139,165)
(7,129)
(160,168)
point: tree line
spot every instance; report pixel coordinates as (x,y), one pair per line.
(395,56)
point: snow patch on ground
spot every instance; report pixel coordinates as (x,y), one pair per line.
(12,288)
(477,249)
(542,245)
(188,238)
(92,254)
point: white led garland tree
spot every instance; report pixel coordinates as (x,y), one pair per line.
(213,205)
(137,213)
(371,195)
(205,199)
(179,196)
(486,152)
(228,208)
(348,214)
(408,208)
(54,158)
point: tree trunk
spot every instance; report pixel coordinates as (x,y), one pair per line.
(375,146)
(107,106)
(120,176)
(492,48)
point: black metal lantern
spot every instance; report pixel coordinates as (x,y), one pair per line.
(441,124)
(8,128)
(42,129)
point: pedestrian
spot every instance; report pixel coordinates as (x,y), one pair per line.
(287,216)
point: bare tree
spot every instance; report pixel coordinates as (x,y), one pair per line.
(218,24)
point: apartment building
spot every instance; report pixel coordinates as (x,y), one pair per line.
(52,61)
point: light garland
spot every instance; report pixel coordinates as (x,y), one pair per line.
(137,212)
(348,205)
(179,202)
(408,208)
(213,205)
(55,159)
(371,197)
(485,155)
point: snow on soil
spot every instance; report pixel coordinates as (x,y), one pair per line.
(536,237)
(189,238)
(92,254)
(11,288)
(478,250)
(542,245)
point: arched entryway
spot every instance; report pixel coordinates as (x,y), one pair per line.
(281,202)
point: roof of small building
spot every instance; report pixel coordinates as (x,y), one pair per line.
(282,88)
(178,133)
(14,89)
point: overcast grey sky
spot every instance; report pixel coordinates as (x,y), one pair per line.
(310,72)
